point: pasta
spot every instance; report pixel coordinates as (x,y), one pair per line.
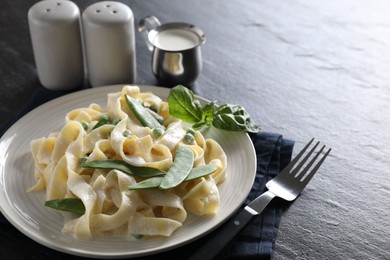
(111,208)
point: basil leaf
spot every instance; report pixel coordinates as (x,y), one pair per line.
(198,125)
(234,118)
(208,113)
(183,105)
(70,204)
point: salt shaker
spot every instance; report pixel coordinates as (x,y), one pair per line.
(108,28)
(57,46)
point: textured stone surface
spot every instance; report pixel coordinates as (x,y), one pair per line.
(301,68)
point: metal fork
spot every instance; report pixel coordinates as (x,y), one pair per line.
(288,184)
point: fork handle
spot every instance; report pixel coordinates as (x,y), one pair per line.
(229,230)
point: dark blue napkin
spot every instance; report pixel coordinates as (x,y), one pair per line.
(256,241)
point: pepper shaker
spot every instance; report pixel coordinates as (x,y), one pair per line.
(56,40)
(108,28)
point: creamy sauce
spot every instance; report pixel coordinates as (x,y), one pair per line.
(175,40)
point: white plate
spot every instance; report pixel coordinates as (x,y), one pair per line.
(27,213)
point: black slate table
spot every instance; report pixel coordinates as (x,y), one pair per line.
(301,68)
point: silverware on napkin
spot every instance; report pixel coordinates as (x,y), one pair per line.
(288,184)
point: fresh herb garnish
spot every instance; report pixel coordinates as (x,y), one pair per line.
(234,118)
(184,105)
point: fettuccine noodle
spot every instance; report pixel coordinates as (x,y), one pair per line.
(110,207)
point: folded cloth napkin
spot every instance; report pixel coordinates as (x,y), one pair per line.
(255,241)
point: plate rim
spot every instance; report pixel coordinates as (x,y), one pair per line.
(104,90)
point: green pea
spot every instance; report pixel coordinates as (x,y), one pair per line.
(104,119)
(157,132)
(126,133)
(85,125)
(188,138)
(191,131)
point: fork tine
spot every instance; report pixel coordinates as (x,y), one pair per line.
(314,170)
(297,157)
(296,169)
(304,171)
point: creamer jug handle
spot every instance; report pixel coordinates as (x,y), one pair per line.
(147,24)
